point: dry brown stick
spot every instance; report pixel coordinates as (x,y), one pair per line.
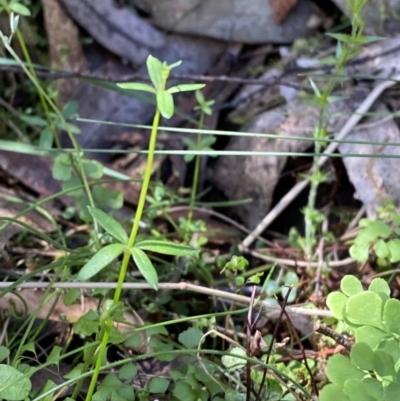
(339,338)
(182,286)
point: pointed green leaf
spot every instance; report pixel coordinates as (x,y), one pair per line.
(365,309)
(109,224)
(165,104)
(185,88)
(99,261)
(174,65)
(137,86)
(200,97)
(145,267)
(155,69)
(315,88)
(190,143)
(54,356)
(208,141)
(166,248)
(19,8)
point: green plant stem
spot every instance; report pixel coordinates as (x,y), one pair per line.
(309,221)
(42,93)
(195,183)
(125,260)
(41,97)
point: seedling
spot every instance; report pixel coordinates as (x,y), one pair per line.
(125,245)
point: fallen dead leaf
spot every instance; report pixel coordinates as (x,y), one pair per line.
(281,9)
(26,301)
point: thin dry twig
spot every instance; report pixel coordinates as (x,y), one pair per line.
(339,338)
(10,285)
(300,263)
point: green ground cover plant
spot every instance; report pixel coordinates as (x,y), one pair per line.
(206,363)
(371,371)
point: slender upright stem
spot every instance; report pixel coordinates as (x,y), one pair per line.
(196,174)
(125,261)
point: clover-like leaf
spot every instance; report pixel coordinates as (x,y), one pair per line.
(391,392)
(383,363)
(333,392)
(339,369)
(100,260)
(370,335)
(363,356)
(381,249)
(351,285)
(359,252)
(394,249)
(191,337)
(158,385)
(336,302)
(233,363)
(379,285)
(391,315)
(364,309)
(355,390)
(391,346)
